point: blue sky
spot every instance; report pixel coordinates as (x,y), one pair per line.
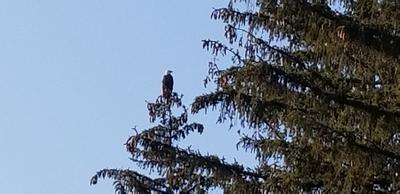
(74,77)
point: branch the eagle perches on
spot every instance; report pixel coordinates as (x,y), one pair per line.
(181,170)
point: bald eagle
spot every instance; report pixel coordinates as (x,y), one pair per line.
(167,84)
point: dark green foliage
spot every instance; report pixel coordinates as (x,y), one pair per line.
(317,88)
(181,170)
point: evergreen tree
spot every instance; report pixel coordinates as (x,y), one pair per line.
(317,84)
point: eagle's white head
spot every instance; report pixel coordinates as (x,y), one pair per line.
(168,72)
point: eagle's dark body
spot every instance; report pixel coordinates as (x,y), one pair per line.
(167,85)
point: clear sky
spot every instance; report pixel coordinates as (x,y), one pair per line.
(74,77)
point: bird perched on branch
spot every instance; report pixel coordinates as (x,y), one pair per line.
(167,84)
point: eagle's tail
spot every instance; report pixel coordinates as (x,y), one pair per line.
(167,93)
